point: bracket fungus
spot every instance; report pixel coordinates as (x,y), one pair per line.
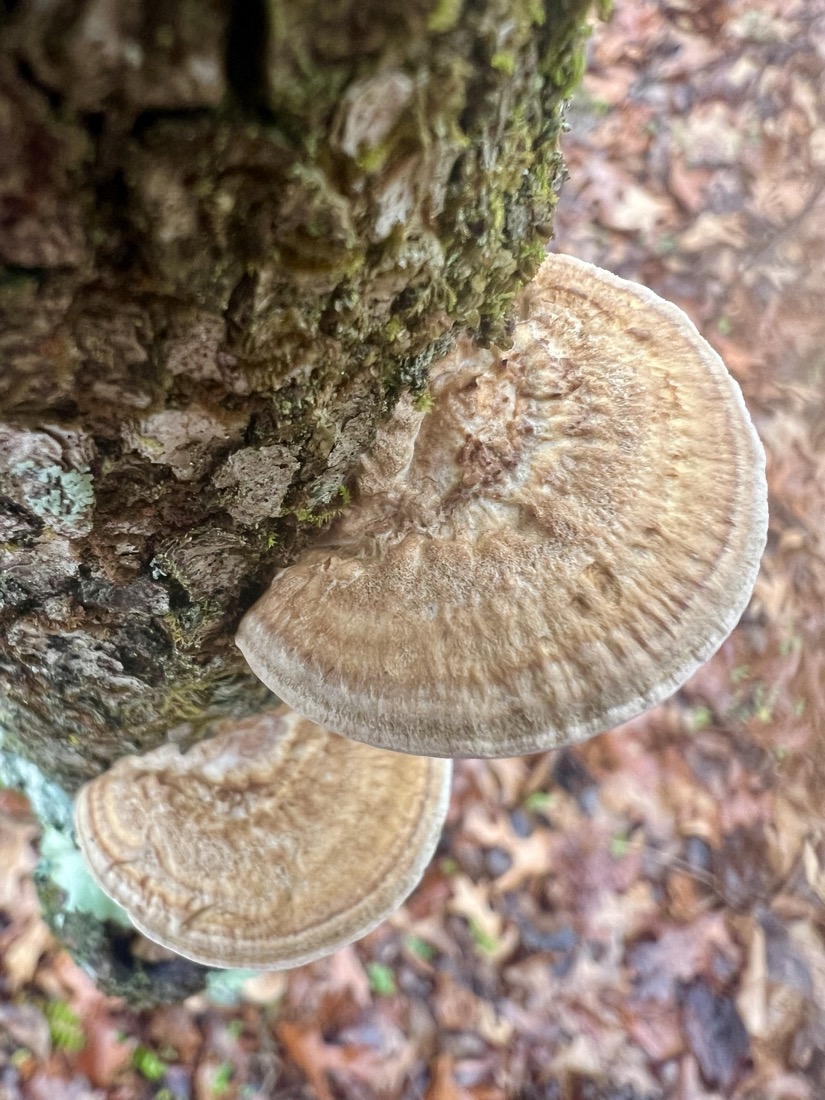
(269,845)
(573,528)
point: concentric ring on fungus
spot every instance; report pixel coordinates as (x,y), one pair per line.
(557,545)
(269,845)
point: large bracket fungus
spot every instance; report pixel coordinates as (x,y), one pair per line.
(573,528)
(569,533)
(269,845)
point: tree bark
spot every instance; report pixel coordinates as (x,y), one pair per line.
(231,233)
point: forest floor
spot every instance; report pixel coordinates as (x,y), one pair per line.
(641,917)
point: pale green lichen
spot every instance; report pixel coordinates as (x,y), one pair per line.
(49,801)
(225,987)
(66,495)
(62,862)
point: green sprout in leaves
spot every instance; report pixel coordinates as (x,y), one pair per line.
(382,979)
(700,718)
(419,947)
(764,701)
(538,801)
(65,1027)
(791,643)
(234,1029)
(222,1079)
(619,845)
(147,1063)
(485,943)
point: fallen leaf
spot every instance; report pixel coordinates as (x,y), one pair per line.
(716,1035)
(27,1026)
(457,1008)
(679,954)
(305,1047)
(752,999)
(709,230)
(442,1085)
(105,1052)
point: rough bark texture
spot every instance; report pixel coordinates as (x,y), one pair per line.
(230,234)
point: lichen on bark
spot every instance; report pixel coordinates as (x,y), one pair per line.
(231,233)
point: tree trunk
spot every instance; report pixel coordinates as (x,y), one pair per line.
(230,235)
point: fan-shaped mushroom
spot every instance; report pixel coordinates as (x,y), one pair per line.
(573,529)
(269,845)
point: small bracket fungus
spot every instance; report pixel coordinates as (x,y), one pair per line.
(267,846)
(568,534)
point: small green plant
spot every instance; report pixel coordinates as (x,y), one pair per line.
(538,801)
(148,1064)
(423,401)
(326,515)
(764,701)
(65,1027)
(222,1079)
(419,947)
(791,643)
(484,942)
(381,978)
(234,1029)
(700,718)
(619,845)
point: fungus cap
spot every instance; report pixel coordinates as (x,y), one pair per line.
(269,845)
(568,534)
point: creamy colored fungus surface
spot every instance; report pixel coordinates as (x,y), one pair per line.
(269,845)
(573,528)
